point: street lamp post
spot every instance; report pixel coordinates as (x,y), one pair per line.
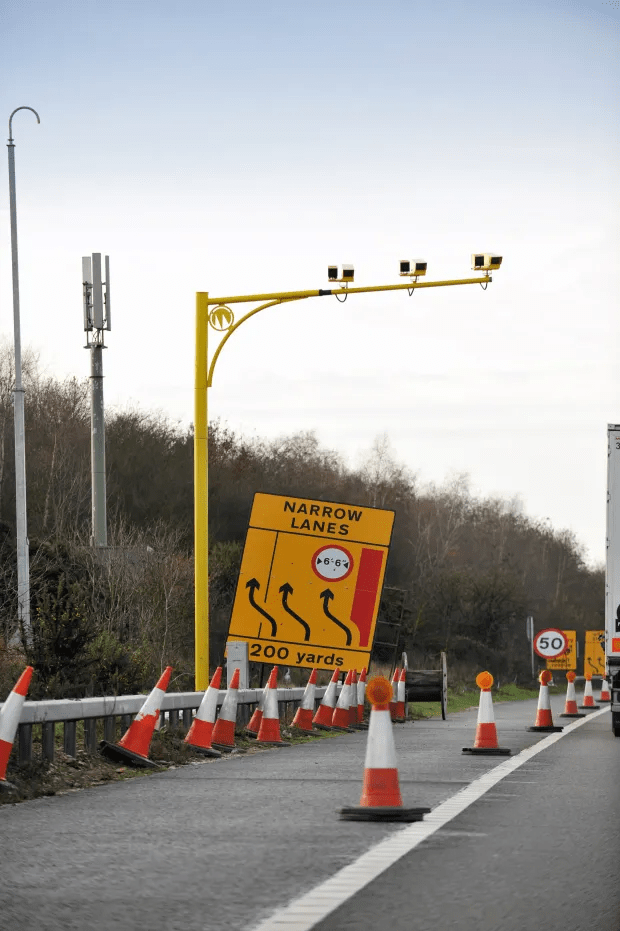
(214,312)
(23,563)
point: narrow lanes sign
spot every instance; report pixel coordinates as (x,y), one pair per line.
(310,582)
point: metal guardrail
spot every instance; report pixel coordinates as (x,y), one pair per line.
(177,708)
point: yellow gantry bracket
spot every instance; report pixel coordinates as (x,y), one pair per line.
(214,312)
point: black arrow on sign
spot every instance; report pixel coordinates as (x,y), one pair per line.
(253,584)
(287,590)
(326,596)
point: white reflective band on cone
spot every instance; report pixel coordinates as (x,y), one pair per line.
(380,750)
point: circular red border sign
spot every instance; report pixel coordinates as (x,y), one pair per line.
(551,633)
(332,546)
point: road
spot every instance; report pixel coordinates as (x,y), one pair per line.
(228,845)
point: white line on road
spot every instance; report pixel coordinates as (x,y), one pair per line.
(305,913)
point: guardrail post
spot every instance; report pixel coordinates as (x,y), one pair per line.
(68,738)
(109,730)
(90,735)
(24,753)
(48,733)
(187,718)
(173,718)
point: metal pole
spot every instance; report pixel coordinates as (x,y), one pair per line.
(97,447)
(201,497)
(23,563)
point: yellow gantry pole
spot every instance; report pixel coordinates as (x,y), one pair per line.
(203,378)
(201,496)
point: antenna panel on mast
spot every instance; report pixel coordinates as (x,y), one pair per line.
(108,312)
(87,284)
(97,292)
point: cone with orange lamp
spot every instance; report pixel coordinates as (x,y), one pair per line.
(544,719)
(304,714)
(588,697)
(9,722)
(325,711)
(381,799)
(269,730)
(201,731)
(486,732)
(133,747)
(570,706)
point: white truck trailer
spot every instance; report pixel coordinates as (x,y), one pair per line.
(612,587)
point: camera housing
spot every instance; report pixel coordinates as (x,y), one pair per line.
(412,267)
(485,261)
(343,274)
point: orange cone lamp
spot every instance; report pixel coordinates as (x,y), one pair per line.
(544,719)
(570,706)
(486,733)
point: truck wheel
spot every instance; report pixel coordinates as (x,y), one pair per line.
(615,724)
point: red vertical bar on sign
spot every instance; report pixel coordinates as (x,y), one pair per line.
(366,589)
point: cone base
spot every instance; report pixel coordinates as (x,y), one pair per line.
(604,701)
(225,748)
(119,754)
(343,730)
(544,727)
(6,786)
(569,714)
(488,751)
(273,743)
(323,727)
(382,813)
(206,751)
(360,727)
(589,707)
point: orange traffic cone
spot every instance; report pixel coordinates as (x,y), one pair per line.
(325,711)
(399,710)
(486,732)
(305,712)
(570,707)
(340,717)
(353,700)
(253,726)
(9,721)
(381,799)
(588,697)
(544,719)
(361,696)
(394,699)
(605,693)
(269,731)
(133,747)
(223,737)
(201,731)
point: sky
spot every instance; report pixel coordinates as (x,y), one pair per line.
(241,147)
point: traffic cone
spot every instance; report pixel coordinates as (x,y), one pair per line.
(133,747)
(340,717)
(9,722)
(223,736)
(305,712)
(325,711)
(353,700)
(394,698)
(361,696)
(486,732)
(605,693)
(588,697)
(253,726)
(570,708)
(544,719)
(269,731)
(201,731)
(399,710)
(381,799)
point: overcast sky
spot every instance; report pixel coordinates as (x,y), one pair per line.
(241,146)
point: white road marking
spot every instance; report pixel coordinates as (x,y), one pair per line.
(306,912)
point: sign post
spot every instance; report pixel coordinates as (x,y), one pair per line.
(310,582)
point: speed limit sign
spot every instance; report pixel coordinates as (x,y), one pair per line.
(550,643)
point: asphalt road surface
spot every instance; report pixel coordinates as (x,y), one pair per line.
(254,840)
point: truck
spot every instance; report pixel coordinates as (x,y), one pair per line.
(612,574)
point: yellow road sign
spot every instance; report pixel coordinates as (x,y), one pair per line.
(594,653)
(310,582)
(568,660)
